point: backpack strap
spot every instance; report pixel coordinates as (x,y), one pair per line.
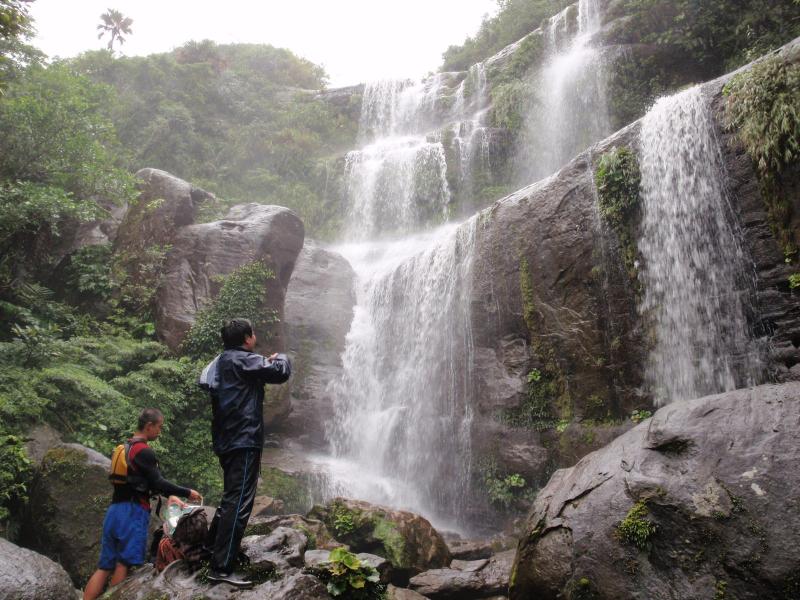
(135,479)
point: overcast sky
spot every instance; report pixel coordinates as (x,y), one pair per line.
(355,40)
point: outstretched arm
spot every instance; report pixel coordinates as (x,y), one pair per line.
(275,369)
(147,465)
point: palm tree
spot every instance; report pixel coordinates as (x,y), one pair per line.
(115,23)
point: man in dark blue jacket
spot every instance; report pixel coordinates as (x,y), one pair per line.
(235,380)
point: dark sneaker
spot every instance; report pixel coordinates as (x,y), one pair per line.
(230,578)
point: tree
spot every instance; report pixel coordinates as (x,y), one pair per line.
(115,23)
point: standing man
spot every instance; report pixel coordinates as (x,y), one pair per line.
(235,381)
(124,540)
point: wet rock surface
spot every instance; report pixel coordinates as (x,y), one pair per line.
(407,540)
(201,253)
(27,575)
(68,500)
(465,580)
(319,309)
(696,501)
(318,535)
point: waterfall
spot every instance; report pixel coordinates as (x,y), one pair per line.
(569,111)
(396,185)
(695,273)
(403,406)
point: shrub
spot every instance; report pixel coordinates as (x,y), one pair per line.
(242,295)
(763,108)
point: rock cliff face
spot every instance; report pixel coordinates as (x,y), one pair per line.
(697,502)
(203,251)
(319,308)
(552,296)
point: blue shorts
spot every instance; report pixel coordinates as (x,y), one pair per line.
(124,535)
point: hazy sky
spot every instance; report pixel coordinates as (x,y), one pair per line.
(355,40)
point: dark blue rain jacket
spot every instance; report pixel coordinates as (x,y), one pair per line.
(235,381)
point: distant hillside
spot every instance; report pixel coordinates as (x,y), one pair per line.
(243,120)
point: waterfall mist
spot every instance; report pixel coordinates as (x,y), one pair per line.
(568,110)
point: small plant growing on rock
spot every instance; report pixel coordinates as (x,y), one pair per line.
(343,521)
(640,415)
(348,578)
(635,528)
(617,179)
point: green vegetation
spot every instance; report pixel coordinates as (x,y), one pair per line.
(505,491)
(285,487)
(709,34)
(719,590)
(242,294)
(509,102)
(242,121)
(546,388)
(349,578)
(514,19)
(635,528)
(617,179)
(344,521)
(763,108)
(640,415)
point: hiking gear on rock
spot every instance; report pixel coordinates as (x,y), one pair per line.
(241,469)
(124,535)
(235,380)
(230,578)
(186,540)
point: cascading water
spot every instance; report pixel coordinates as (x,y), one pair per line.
(401,435)
(696,289)
(569,112)
(403,405)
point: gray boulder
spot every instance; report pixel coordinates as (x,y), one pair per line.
(201,253)
(315,531)
(280,550)
(177,582)
(697,502)
(406,539)
(319,309)
(466,580)
(27,575)
(68,500)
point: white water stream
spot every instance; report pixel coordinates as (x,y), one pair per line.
(695,273)
(568,112)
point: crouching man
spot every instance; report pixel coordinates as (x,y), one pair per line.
(235,381)
(124,542)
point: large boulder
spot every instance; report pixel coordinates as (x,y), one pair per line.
(407,540)
(201,253)
(697,502)
(165,203)
(68,500)
(466,580)
(319,309)
(177,582)
(27,575)
(560,345)
(317,535)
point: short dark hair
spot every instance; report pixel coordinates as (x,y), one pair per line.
(234,332)
(149,415)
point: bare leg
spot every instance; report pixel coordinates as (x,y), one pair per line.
(95,585)
(120,573)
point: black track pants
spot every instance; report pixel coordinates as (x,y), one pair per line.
(241,468)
